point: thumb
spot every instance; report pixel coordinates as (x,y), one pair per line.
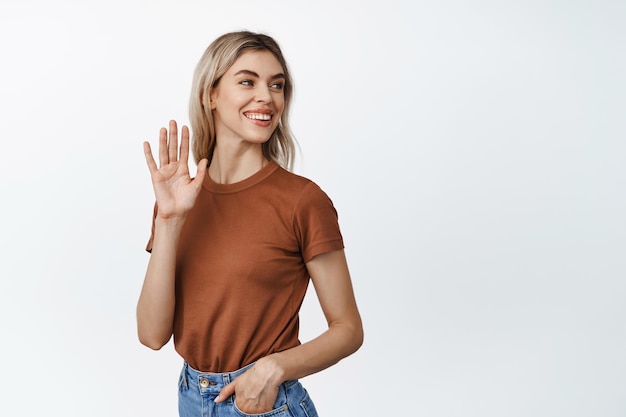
(226,392)
(201,171)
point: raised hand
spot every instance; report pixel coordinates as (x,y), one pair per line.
(174,189)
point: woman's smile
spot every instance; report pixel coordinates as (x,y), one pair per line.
(260,117)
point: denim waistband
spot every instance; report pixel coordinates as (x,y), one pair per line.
(210,380)
(198,390)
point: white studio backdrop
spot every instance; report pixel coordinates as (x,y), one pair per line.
(475,151)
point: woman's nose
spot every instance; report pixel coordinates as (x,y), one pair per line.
(263,94)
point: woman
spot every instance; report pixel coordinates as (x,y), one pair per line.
(232,250)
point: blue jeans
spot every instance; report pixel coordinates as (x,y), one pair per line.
(197,390)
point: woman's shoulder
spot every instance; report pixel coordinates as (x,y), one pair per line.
(299,187)
(291,179)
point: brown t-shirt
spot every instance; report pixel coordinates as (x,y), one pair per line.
(240,269)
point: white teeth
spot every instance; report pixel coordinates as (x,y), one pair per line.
(258,116)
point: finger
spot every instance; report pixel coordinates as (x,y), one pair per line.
(184,145)
(226,392)
(152,166)
(163,159)
(173,141)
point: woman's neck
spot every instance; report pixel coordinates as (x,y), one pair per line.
(232,165)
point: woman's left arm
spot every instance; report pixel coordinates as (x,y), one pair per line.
(331,278)
(257,388)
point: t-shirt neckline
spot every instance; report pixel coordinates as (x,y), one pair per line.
(244,184)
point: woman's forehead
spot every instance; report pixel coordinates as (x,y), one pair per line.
(260,62)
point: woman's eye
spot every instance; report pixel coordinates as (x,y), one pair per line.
(246,82)
(278,86)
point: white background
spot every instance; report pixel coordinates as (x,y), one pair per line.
(475,151)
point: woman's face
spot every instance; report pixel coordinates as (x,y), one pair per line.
(248,101)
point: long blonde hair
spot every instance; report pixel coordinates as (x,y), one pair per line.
(216,60)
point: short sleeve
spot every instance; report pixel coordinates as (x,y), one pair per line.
(316,223)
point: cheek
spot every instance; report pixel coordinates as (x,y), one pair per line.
(279,103)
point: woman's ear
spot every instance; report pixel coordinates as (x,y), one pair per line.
(208,100)
(212,98)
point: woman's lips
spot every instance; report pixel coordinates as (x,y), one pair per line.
(261,117)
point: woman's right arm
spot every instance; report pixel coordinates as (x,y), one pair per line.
(155,309)
(176,194)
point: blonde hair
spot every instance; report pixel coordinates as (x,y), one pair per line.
(216,60)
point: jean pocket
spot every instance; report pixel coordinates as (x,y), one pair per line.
(281,411)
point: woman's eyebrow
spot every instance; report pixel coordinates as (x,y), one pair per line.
(254,74)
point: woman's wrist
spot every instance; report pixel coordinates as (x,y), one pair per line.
(273,368)
(172,224)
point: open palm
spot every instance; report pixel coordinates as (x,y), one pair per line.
(174,189)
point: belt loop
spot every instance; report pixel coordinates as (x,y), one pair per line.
(226,382)
(184,375)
